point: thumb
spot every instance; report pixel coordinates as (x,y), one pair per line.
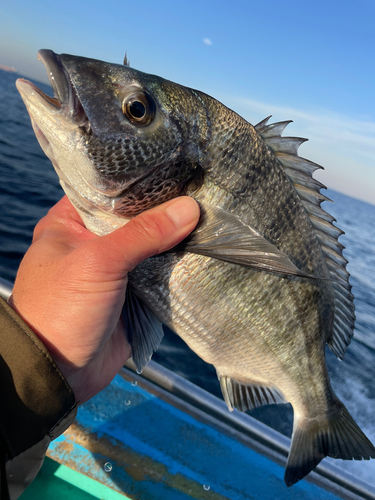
(151,232)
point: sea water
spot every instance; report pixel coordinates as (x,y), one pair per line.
(29,187)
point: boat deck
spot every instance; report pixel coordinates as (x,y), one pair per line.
(161,446)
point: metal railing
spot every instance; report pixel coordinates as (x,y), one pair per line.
(258,436)
(5,288)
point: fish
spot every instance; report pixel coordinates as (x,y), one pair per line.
(260,287)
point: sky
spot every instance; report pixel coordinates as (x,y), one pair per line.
(311,62)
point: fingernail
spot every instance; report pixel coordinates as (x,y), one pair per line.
(183,211)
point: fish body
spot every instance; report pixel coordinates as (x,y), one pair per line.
(260,287)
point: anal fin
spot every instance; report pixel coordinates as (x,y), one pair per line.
(248,396)
(143,329)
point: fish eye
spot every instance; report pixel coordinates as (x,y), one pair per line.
(139,108)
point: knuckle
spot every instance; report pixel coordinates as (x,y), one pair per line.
(39,229)
(151,226)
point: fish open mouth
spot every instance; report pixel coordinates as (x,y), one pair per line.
(65,96)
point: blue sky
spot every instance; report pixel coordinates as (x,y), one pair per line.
(312,62)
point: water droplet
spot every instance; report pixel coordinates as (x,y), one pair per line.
(134,382)
(128,402)
(108,466)
(139,371)
(206,487)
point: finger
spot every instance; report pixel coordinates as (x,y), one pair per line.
(61,216)
(150,233)
(64,208)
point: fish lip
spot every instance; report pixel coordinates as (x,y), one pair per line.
(65,95)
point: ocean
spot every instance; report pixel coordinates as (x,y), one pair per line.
(29,187)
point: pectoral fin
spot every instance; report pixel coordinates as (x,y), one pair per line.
(222,235)
(143,329)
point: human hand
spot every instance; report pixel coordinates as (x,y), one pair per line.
(70,287)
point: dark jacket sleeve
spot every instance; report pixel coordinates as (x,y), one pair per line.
(36,403)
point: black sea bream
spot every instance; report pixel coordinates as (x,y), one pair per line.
(260,287)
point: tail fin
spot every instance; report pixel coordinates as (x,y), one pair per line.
(335,435)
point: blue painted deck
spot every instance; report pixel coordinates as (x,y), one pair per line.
(159,452)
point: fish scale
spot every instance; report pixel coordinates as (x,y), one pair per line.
(260,286)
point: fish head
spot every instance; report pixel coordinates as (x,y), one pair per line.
(121,141)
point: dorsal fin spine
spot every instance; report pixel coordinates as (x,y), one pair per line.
(263,124)
(288,145)
(326,227)
(314,209)
(298,163)
(299,177)
(329,241)
(311,195)
(335,255)
(275,129)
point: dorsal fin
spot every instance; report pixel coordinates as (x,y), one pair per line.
(126,61)
(300,172)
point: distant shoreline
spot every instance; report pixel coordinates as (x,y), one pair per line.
(10,69)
